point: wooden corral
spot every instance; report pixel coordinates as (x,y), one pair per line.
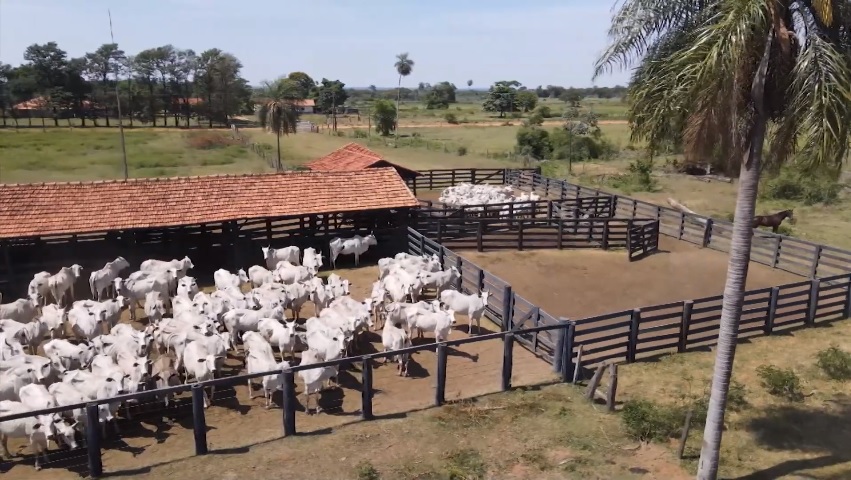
(440,179)
(214,220)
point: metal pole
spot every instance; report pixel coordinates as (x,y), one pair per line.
(118,103)
(199,420)
(93,440)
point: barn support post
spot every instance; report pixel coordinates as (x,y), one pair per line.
(93,441)
(288,403)
(816,258)
(685,325)
(7,261)
(507,360)
(772,310)
(366,389)
(199,420)
(440,388)
(568,367)
(812,302)
(846,313)
(507,308)
(632,346)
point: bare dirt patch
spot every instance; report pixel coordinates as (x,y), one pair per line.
(582,283)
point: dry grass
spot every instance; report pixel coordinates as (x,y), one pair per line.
(771,436)
(535,434)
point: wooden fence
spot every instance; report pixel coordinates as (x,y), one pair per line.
(628,335)
(793,255)
(440,179)
(540,233)
(530,209)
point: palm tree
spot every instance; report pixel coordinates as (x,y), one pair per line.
(470,85)
(719,73)
(404,67)
(277,112)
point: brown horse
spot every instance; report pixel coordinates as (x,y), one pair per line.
(773,221)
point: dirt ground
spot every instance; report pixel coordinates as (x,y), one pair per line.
(158,435)
(581,283)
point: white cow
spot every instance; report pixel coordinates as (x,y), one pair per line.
(260,358)
(13,379)
(70,356)
(200,365)
(314,378)
(29,334)
(164,374)
(9,347)
(63,281)
(260,275)
(356,246)
(36,430)
(224,279)
(136,290)
(180,266)
(471,305)
(395,338)
(22,310)
(55,318)
(286,254)
(288,273)
(439,322)
(281,335)
(440,281)
(101,280)
(187,287)
(155,307)
(38,288)
(312,260)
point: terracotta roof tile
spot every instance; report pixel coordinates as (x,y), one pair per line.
(36,209)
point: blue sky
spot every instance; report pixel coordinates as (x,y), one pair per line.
(536,42)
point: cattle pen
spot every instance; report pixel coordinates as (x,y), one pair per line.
(531,344)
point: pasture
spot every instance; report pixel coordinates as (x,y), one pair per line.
(95,154)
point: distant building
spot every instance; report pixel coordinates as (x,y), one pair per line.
(305,106)
(353,157)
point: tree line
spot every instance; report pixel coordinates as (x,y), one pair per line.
(154,86)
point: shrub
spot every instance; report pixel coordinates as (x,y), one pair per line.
(534,119)
(809,188)
(645,420)
(450,118)
(835,363)
(639,177)
(366,471)
(358,133)
(462,150)
(544,111)
(781,382)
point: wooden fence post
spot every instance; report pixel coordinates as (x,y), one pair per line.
(440,388)
(682,226)
(507,308)
(635,321)
(561,336)
(520,235)
(442,253)
(458,266)
(606,235)
(288,403)
(366,389)
(847,310)
(431,179)
(549,211)
(507,361)
(479,235)
(422,242)
(772,310)
(812,302)
(560,235)
(439,232)
(707,233)
(199,421)
(816,258)
(685,324)
(613,387)
(578,365)
(684,435)
(775,259)
(568,365)
(473,176)
(93,441)
(595,382)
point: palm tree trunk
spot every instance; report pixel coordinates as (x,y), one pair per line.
(278,166)
(737,274)
(398,97)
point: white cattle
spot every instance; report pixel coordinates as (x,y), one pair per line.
(63,281)
(471,305)
(55,317)
(200,365)
(86,324)
(339,285)
(396,288)
(99,386)
(164,374)
(101,280)
(241,320)
(35,429)
(36,397)
(275,255)
(13,379)
(224,279)
(22,310)
(233,298)
(260,275)
(187,287)
(260,358)
(399,312)
(288,273)
(321,297)
(68,355)
(109,310)
(181,267)
(312,260)
(29,334)
(9,347)
(395,338)
(440,281)
(155,307)
(46,370)
(38,289)
(297,294)
(136,290)
(281,335)
(314,378)
(439,322)
(356,246)
(67,394)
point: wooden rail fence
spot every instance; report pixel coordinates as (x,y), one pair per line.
(440,179)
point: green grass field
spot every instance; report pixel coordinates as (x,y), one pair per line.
(90,154)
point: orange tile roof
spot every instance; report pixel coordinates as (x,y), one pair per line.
(307,102)
(352,157)
(41,209)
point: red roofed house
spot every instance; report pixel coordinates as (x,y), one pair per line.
(354,157)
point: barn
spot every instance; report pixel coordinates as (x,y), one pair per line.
(219,220)
(354,157)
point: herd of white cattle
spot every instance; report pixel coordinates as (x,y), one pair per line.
(56,351)
(466,194)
